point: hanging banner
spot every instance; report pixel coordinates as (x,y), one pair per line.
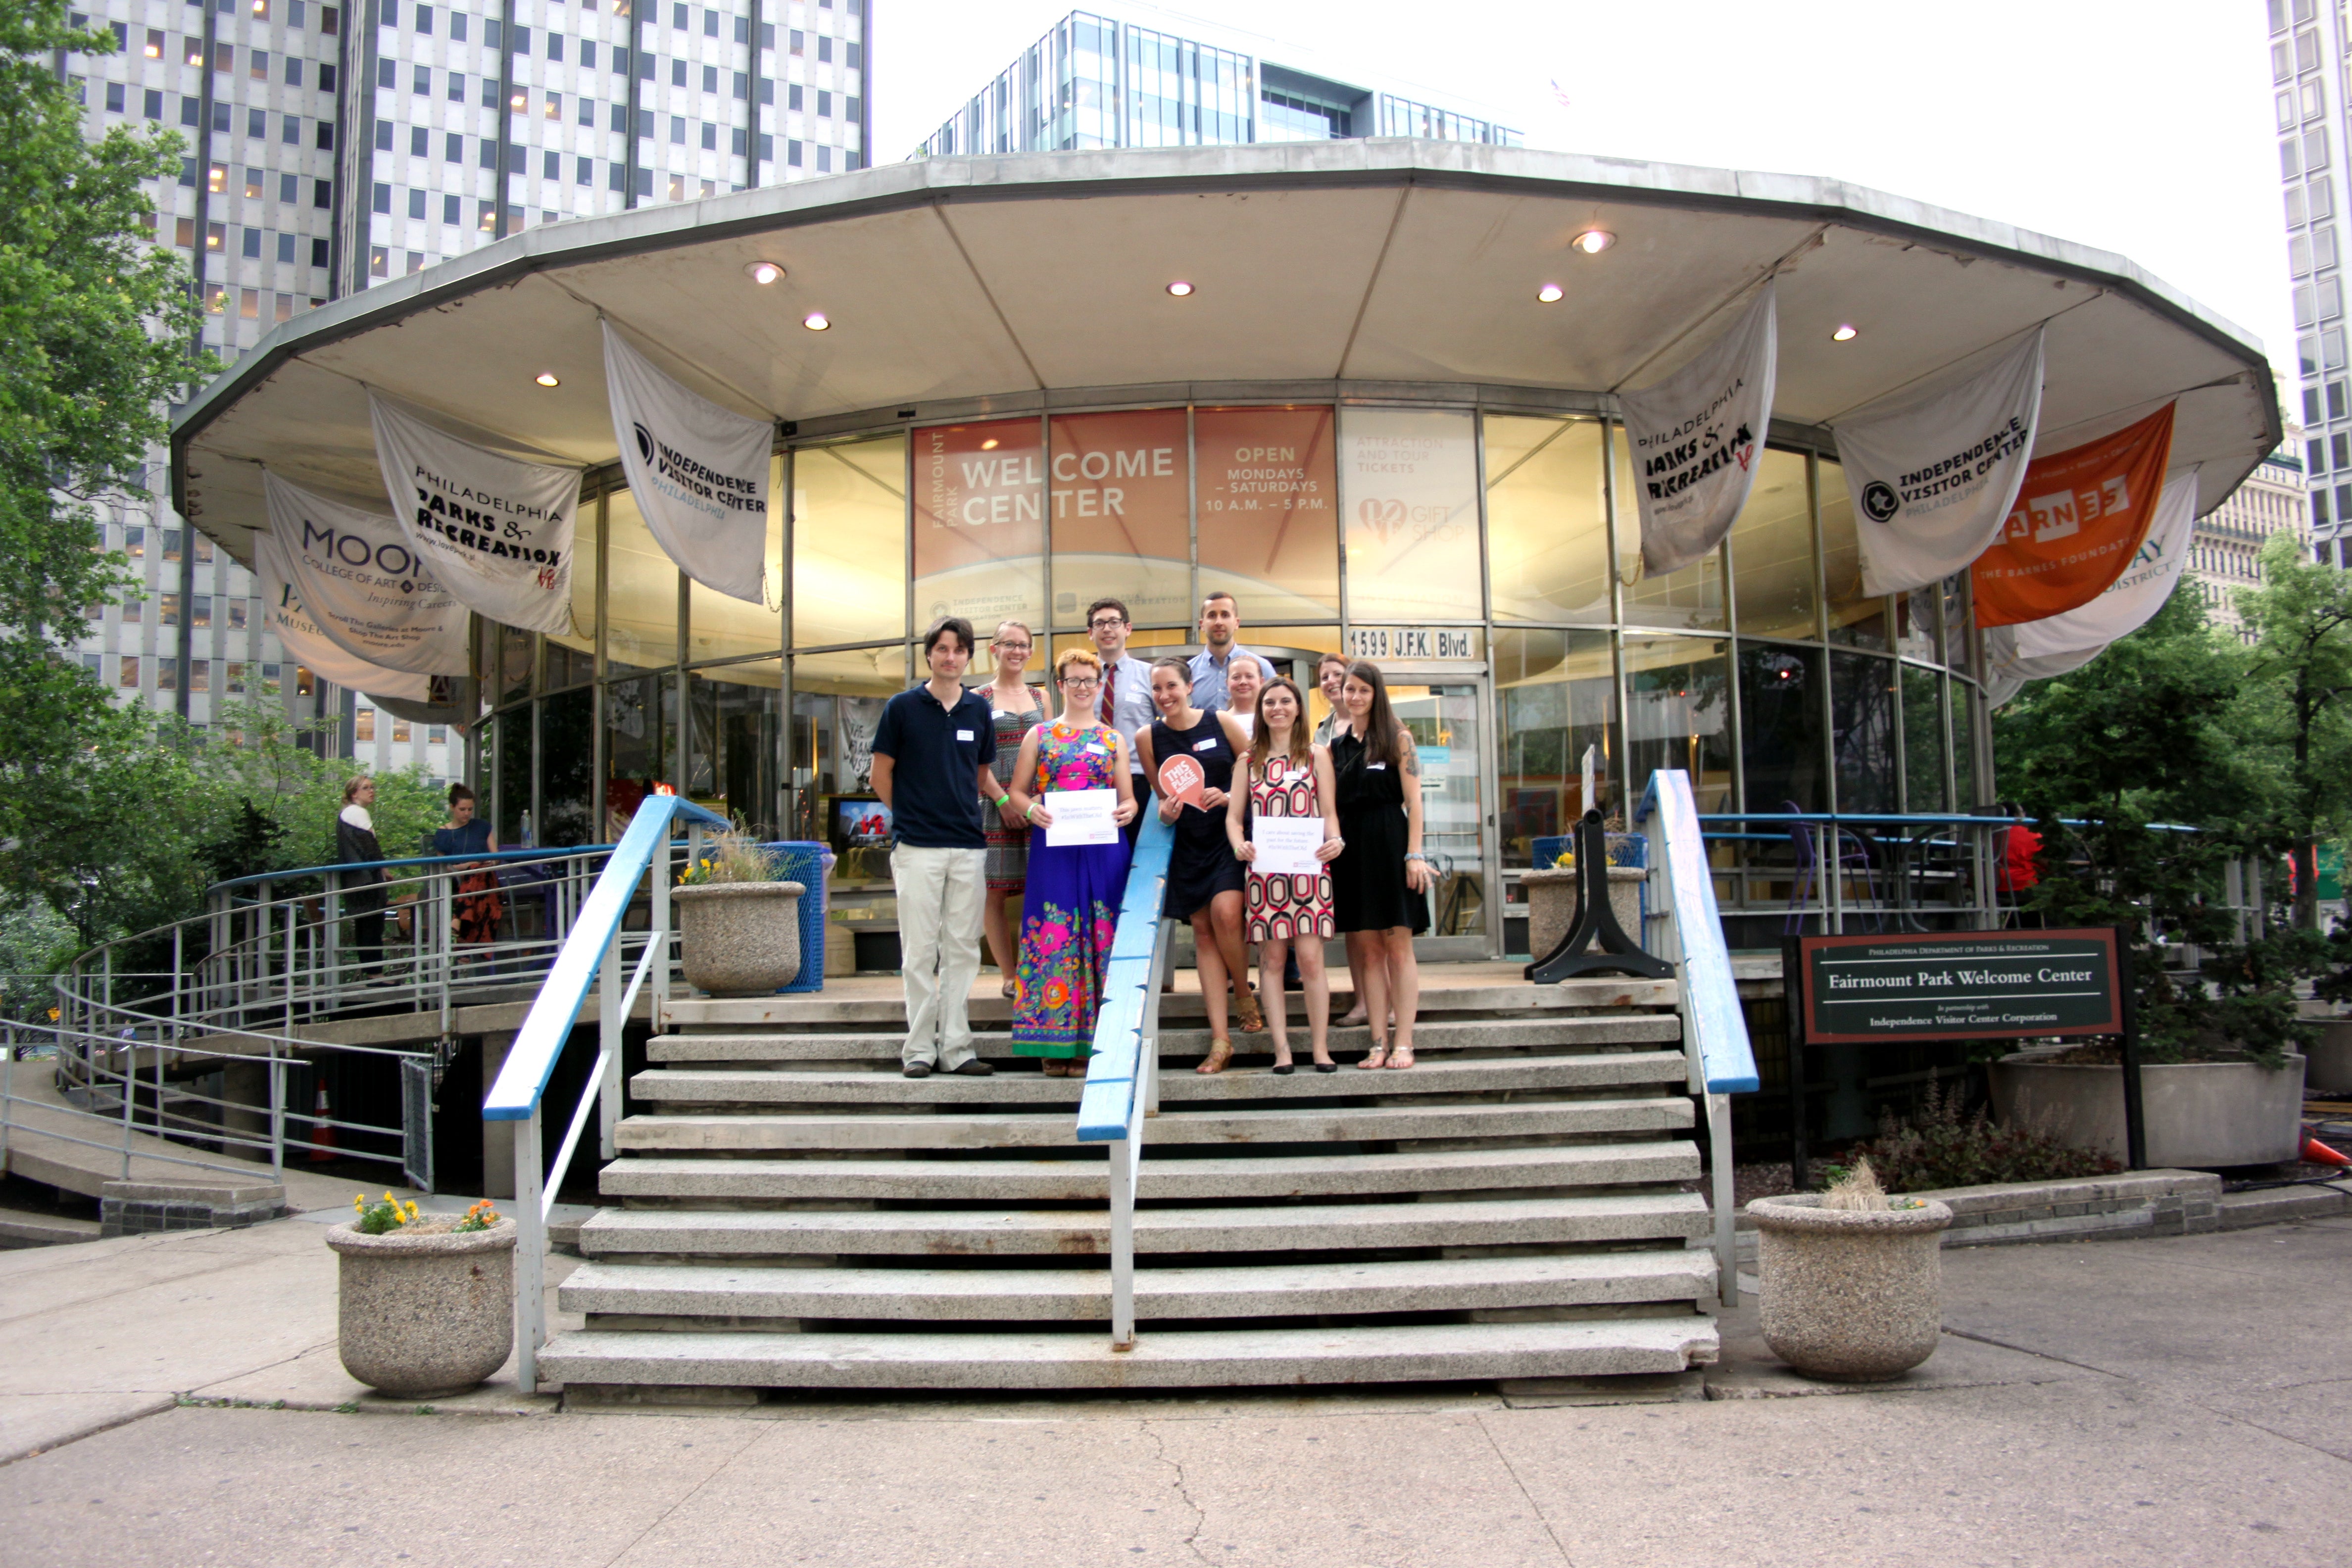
(700,473)
(2037,650)
(2078,523)
(364,588)
(1935,471)
(496,532)
(1695,438)
(309,646)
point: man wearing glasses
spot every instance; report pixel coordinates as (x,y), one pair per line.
(1126,702)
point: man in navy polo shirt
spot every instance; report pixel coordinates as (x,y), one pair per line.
(934,758)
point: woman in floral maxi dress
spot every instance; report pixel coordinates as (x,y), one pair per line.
(1070,913)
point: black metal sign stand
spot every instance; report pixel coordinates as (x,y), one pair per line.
(1594,918)
(1793,981)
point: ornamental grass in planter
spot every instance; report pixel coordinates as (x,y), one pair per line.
(1851,1281)
(426,1302)
(740,928)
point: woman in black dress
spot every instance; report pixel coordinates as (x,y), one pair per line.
(1205,882)
(1379,885)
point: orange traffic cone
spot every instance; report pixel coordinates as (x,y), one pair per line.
(2319,1154)
(322,1136)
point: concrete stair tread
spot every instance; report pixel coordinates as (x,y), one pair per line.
(1053,1128)
(1607,1216)
(884,1085)
(709,1290)
(1269,1179)
(1438,1034)
(1226,1358)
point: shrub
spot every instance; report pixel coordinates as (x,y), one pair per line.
(1939,1147)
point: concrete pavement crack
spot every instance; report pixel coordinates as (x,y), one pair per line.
(763,1429)
(2039,1355)
(1199,1514)
(1512,1471)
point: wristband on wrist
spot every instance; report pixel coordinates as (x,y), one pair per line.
(1029,811)
(1002,799)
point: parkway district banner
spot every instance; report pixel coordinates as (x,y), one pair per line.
(362,586)
(700,473)
(1694,438)
(1934,471)
(495,531)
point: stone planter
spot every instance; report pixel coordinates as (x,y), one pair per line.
(1849,1295)
(1552,904)
(741,938)
(2330,1072)
(424,1317)
(2200,1116)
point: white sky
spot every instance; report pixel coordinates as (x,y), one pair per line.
(2142,129)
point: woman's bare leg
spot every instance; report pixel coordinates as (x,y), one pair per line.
(1211,965)
(1365,958)
(1316,981)
(1406,1000)
(997,926)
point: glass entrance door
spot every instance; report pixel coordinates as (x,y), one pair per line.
(1448,724)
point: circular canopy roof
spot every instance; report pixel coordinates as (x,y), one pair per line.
(961,285)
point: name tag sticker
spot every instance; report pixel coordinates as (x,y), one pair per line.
(1208,745)
(1375,767)
(1098,749)
(963,734)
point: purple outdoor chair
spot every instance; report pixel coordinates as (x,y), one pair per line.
(1851,855)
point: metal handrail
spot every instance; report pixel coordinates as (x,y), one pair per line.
(1122,1085)
(1686,931)
(592,950)
(550,852)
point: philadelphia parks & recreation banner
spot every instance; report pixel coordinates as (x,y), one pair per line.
(2078,523)
(1933,472)
(1695,438)
(363,587)
(496,532)
(699,472)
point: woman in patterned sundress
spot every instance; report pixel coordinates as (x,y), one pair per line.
(1070,913)
(1015,710)
(1286,775)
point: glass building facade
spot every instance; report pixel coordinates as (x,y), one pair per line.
(1480,553)
(1095,81)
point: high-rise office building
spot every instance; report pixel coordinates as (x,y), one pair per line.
(1100,81)
(2226,554)
(2311,73)
(334,146)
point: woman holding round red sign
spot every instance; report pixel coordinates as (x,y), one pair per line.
(1204,879)
(1287,776)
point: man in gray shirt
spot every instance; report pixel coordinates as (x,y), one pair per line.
(1221,626)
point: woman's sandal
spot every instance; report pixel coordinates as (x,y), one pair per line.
(1402,1057)
(1221,1051)
(1248,1016)
(1378,1057)
(1057,1068)
(1009,989)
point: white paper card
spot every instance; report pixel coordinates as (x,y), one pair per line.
(1082,816)
(1287,844)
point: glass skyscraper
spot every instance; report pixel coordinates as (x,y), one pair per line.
(2311,72)
(1098,81)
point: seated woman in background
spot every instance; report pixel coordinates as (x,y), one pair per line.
(477,906)
(1070,907)
(1284,774)
(1379,884)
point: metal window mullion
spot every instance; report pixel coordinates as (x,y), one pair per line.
(1044,522)
(1192,503)
(599,757)
(788,792)
(1623,761)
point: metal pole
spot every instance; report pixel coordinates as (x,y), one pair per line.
(1718,1145)
(530,1254)
(129,1083)
(277,1113)
(1123,1162)
(608,1038)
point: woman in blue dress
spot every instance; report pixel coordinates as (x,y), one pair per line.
(477,906)
(1070,907)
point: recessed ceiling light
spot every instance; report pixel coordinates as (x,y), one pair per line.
(1180,288)
(1549,293)
(764,272)
(547,378)
(815,321)
(1844,334)
(1593,241)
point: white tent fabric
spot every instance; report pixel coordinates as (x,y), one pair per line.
(309,646)
(1696,435)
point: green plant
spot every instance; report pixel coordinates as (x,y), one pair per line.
(1941,1147)
(386,1214)
(735,856)
(481,1216)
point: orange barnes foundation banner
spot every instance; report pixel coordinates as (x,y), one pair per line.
(2079,518)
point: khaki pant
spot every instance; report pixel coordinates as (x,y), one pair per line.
(939,903)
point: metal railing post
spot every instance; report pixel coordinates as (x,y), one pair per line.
(129,1081)
(1720,1172)
(664,970)
(277,1113)
(609,1023)
(531,1254)
(1125,1159)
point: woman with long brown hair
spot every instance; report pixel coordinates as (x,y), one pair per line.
(1015,709)
(1379,885)
(1286,775)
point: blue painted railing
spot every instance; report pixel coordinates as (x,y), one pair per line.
(1122,1084)
(592,952)
(1686,931)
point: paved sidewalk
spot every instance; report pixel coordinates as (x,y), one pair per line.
(2158,1402)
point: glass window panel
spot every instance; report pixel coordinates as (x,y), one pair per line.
(1687,600)
(1546,519)
(1678,713)
(979,530)
(1557,695)
(1854,620)
(1862,734)
(720,626)
(1959,640)
(1781,748)
(735,742)
(510,765)
(640,592)
(1915,625)
(514,663)
(837,701)
(1444,723)
(1923,742)
(1269,525)
(582,639)
(640,745)
(1772,551)
(1409,489)
(1965,698)
(1120,501)
(567,737)
(849,542)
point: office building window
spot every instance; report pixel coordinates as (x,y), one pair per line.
(126,672)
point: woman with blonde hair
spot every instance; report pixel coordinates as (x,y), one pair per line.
(1014,706)
(1286,775)
(1070,907)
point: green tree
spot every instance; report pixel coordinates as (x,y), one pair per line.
(2299,697)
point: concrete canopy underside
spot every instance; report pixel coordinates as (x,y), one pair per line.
(958,286)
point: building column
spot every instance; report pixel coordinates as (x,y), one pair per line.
(498,1136)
